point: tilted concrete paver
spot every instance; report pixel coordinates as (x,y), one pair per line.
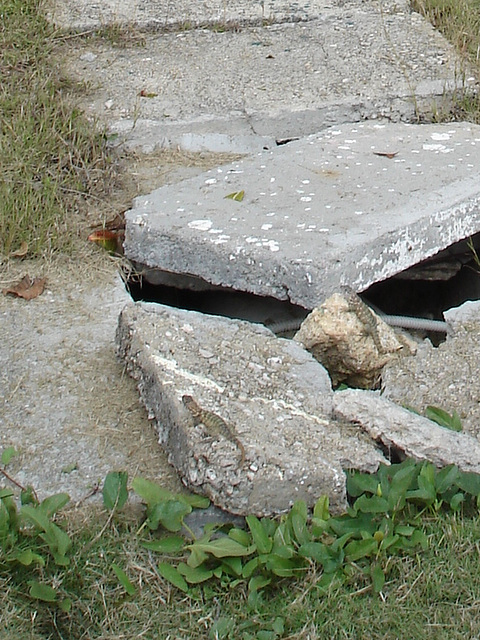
(240,90)
(275,396)
(319,212)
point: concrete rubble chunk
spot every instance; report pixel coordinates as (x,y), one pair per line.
(404,432)
(352,345)
(326,210)
(273,395)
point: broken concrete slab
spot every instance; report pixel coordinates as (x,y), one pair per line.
(273,395)
(239,90)
(405,433)
(445,376)
(354,204)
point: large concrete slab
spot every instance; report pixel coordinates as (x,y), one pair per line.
(276,398)
(319,212)
(239,90)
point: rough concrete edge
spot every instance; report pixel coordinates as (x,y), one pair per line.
(402,431)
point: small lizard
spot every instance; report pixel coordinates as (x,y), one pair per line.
(365,315)
(214,424)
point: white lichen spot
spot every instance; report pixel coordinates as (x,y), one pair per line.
(272,213)
(440,136)
(215,231)
(211,181)
(251,239)
(272,179)
(439,148)
(200,225)
(272,245)
(266,226)
(223,239)
(305,199)
(305,181)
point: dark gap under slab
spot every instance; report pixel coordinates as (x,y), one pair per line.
(423,291)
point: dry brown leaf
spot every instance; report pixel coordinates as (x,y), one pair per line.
(21,252)
(27,288)
(384,154)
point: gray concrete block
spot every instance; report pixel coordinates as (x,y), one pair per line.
(237,90)
(274,396)
(405,432)
(326,210)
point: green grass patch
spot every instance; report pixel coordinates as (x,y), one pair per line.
(50,155)
(459,21)
(106,577)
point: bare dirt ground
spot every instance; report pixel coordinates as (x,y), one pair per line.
(66,404)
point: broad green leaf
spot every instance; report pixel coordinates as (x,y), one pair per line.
(27,557)
(169,514)
(233,566)
(456,501)
(258,582)
(42,592)
(56,539)
(236,195)
(153,494)
(321,508)
(250,567)
(378,577)
(401,481)
(358,483)
(172,544)
(223,547)
(240,536)
(172,575)
(404,530)
(35,516)
(260,537)
(298,517)
(7,455)
(360,549)
(388,541)
(5,493)
(446,477)
(115,493)
(197,557)
(150,492)
(469,482)
(282,567)
(315,550)
(443,418)
(51,505)
(123,579)
(194,500)
(194,576)
(372,504)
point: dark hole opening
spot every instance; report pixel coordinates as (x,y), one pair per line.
(425,290)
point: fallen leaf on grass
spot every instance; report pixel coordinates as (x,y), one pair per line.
(111,240)
(27,288)
(21,252)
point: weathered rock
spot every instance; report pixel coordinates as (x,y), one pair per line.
(273,395)
(406,433)
(350,351)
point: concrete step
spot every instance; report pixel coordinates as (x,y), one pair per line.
(353,205)
(242,88)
